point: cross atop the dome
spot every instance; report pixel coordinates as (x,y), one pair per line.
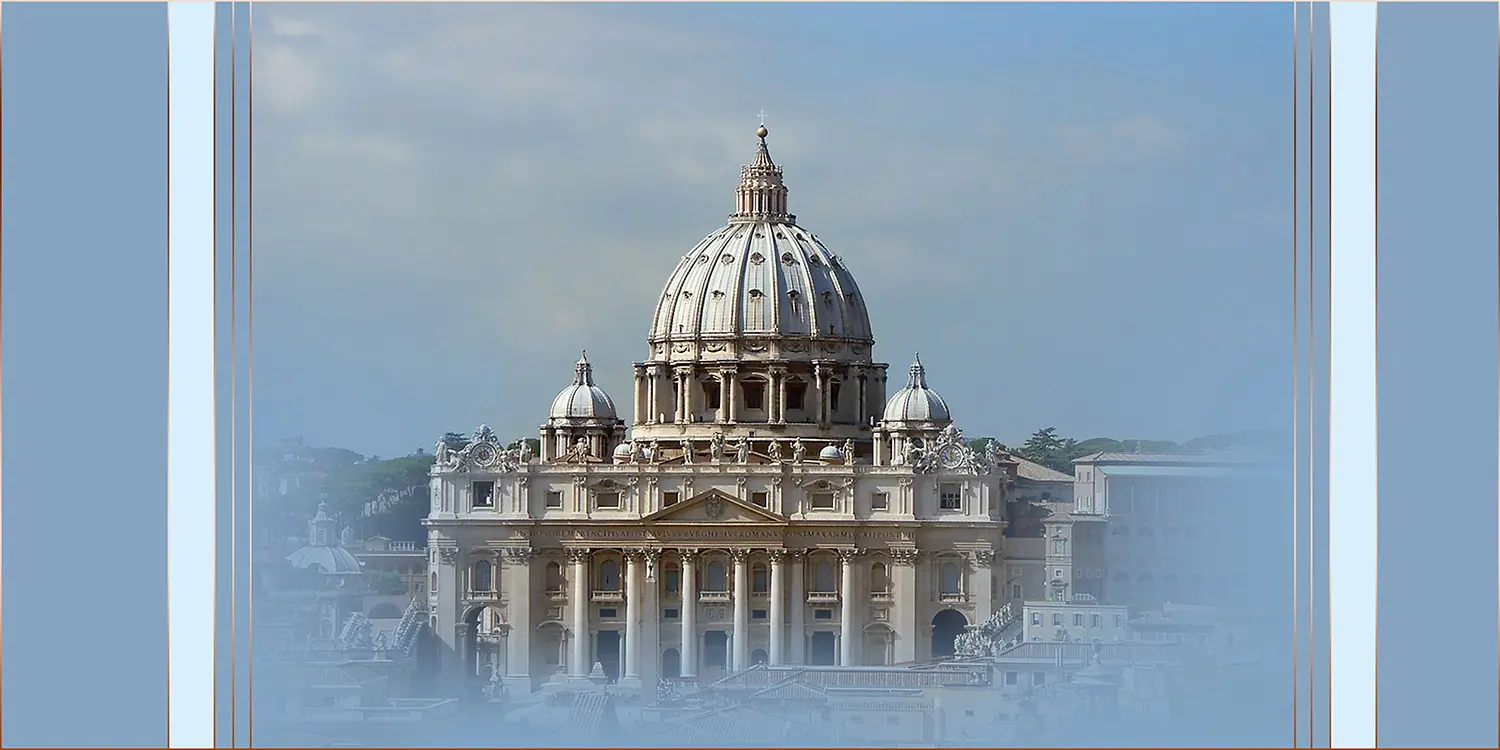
(762,117)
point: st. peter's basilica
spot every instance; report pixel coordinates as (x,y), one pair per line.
(767,499)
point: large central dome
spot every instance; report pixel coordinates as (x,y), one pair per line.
(762,282)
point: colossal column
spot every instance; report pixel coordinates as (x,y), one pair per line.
(689,612)
(798,602)
(778,608)
(632,614)
(578,562)
(848,631)
(741,637)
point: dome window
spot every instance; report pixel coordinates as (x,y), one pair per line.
(760,235)
(812,260)
(703,259)
(718,294)
(756,293)
(788,259)
(781,235)
(686,294)
(757,259)
(726,258)
(792,295)
(828,297)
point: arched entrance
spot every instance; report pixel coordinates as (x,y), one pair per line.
(758,657)
(671,663)
(946,625)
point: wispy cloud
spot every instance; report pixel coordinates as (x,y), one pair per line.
(518,180)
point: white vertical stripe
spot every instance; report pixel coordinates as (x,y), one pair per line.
(1352,361)
(190,362)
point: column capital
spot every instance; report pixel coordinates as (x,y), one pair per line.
(688,554)
(740,555)
(778,555)
(577,555)
(905,556)
(847,556)
(520,555)
(982,557)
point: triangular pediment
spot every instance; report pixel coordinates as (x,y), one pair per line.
(714,506)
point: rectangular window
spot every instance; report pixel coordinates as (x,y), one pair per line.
(668,498)
(608,499)
(1015,570)
(554,499)
(1015,591)
(796,395)
(1038,678)
(1036,618)
(671,614)
(949,497)
(1057,619)
(833,397)
(484,494)
(757,614)
(1012,678)
(822,614)
(672,579)
(1077,621)
(1119,620)
(760,498)
(880,501)
(608,614)
(711,394)
(1094,621)
(822,500)
(755,396)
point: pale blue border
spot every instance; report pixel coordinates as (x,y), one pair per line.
(1352,440)
(190,362)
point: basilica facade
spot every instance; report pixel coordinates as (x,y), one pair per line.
(765,500)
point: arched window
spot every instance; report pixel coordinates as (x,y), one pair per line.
(948,579)
(1169,585)
(433,588)
(718,577)
(1057,619)
(760,579)
(671,579)
(484,576)
(555,580)
(609,576)
(1120,531)
(823,577)
(880,580)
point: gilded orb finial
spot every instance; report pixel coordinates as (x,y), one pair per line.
(761,132)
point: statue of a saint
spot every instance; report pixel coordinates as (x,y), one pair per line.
(442,453)
(525,451)
(774,451)
(742,451)
(716,446)
(654,452)
(799,451)
(849,452)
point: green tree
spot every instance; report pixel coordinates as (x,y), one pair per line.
(455,440)
(536,445)
(385,583)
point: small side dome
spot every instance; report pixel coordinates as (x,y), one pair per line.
(916,402)
(583,400)
(831,453)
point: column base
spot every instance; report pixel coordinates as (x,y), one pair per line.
(517,685)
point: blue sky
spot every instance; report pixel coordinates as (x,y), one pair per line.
(1079,214)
